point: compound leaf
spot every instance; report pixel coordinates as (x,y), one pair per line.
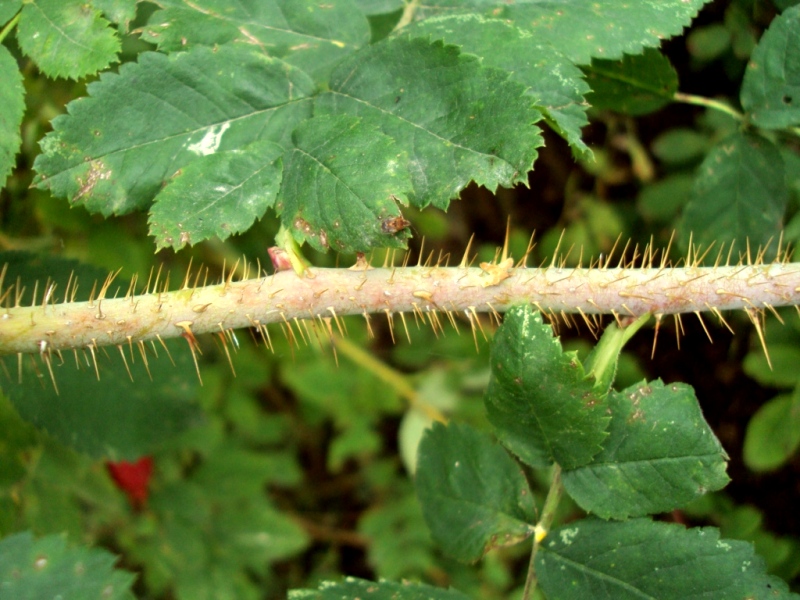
(640,558)
(66,38)
(115,148)
(384,590)
(341,182)
(659,455)
(47,568)
(306,33)
(542,405)
(771,86)
(739,194)
(582,29)
(473,494)
(635,85)
(217,195)
(12,107)
(455,120)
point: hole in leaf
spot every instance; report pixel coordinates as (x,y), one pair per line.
(787,99)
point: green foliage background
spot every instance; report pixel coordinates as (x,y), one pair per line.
(167,127)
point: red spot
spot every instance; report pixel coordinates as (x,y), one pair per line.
(132,478)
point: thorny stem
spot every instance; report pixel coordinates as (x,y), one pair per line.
(542,528)
(433,295)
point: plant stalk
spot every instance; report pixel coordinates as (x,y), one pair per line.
(432,294)
(543,527)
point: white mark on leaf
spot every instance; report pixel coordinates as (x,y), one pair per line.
(210,142)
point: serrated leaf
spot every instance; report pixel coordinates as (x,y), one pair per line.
(660,454)
(122,421)
(640,558)
(455,120)
(555,83)
(473,494)
(582,29)
(218,195)
(771,86)
(66,38)
(12,107)
(47,568)
(121,12)
(384,590)
(636,85)
(115,148)
(341,184)
(543,407)
(773,433)
(306,33)
(739,194)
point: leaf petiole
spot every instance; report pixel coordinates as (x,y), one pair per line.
(9,26)
(543,527)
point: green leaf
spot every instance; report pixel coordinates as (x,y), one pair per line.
(582,29)
(773,433)
(121,420)
(218,195)
(740,194)
(660,454)
(379,7)
(384,590)
(635,85)
(47,568)
(306,33)
(709,42)
(211,543)
(556,84)
(771,86)
(115,148)
(121,12)
(12,107)
(644,559)
(473,494)
(66,38)
(341,183)
(681,145)
(781,368)
(661,201)
(8,9)
(539,399)
(454,120)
